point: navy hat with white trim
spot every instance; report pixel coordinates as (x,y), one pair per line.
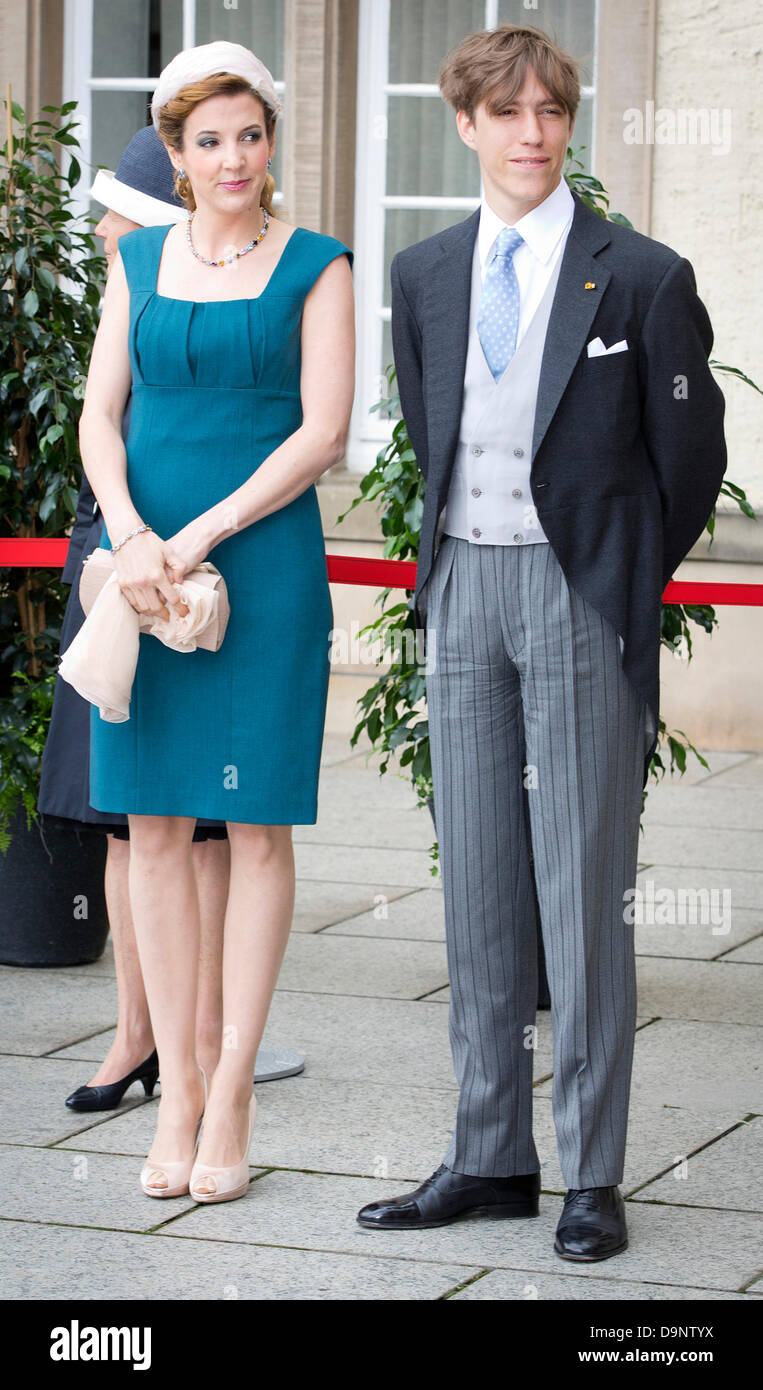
(142,189)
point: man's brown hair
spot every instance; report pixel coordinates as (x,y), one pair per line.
(491,65)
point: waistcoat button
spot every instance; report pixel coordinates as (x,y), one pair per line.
(519,453)
(476,531)
(477,450)
(476,491)
(518,536)
(516,492)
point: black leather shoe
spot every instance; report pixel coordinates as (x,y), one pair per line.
(592,1224)
(108,1097)
(446,1196)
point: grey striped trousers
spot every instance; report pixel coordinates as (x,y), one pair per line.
(526,690)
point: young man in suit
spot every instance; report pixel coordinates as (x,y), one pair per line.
(553,375)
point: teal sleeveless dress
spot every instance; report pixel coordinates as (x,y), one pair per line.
(235,734)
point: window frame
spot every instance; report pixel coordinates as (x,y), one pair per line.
(368,432)
(78,83)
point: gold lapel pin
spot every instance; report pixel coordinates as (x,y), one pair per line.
(590,284)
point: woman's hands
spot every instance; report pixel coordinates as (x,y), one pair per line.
(142,567)
(187,548)
(149,569)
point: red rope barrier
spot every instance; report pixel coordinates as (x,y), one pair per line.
(50,553)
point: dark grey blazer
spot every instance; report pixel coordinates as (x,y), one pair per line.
(64,795)
(628,451)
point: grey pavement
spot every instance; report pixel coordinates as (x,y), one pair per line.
(363,994)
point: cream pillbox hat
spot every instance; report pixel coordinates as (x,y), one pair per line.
(194,64)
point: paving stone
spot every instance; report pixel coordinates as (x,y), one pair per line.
(744,772)
(374,1110)
(364,785)
(101,969)
(379,1040)
(704,1067)
(63,1186)
(45,1009)
(335,1127)
(363,966)
(60,1262)
(697,989)
(705,807)
(667,1245)
(744,885)
(360,1129)
(721,761)
(719,929)
(417,915)
(320,904)
(523,1285)
(315,1211)
(92,1049)
(338,749)
(751,951)
(351,1039)
(716,848)
(384,1041)
(658,1136)
(727,1174)
(352,864)
(34,1092)
(350,820)
(323,1125)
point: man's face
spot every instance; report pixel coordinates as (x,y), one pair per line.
(521,150)
(111,227)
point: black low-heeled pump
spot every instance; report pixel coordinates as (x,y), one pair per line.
(108,1097)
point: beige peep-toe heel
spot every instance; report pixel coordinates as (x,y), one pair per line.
(177,1172)
(230,1182)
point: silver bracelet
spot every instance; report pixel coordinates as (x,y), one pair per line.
(136,532)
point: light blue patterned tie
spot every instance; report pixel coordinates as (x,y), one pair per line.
(498,317)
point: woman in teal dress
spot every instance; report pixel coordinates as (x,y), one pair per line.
(235,334)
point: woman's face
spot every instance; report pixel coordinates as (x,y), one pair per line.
(111,227)
(225,152)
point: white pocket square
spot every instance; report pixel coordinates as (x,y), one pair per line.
(596,348)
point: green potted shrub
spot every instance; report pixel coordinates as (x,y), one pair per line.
(51,279)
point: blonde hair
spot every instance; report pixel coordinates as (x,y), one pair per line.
(172,118)
(491,65)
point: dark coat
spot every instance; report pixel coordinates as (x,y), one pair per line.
(65,775)
(64,794)
(628,450)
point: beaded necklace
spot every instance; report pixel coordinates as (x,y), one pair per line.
(227,260)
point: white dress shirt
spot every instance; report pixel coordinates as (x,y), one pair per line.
(489,498)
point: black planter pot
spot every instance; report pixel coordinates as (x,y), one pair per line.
(52,900)
(544,993)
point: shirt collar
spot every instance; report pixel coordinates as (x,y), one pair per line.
(541,228)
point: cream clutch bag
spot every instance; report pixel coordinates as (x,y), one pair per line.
(99,565)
